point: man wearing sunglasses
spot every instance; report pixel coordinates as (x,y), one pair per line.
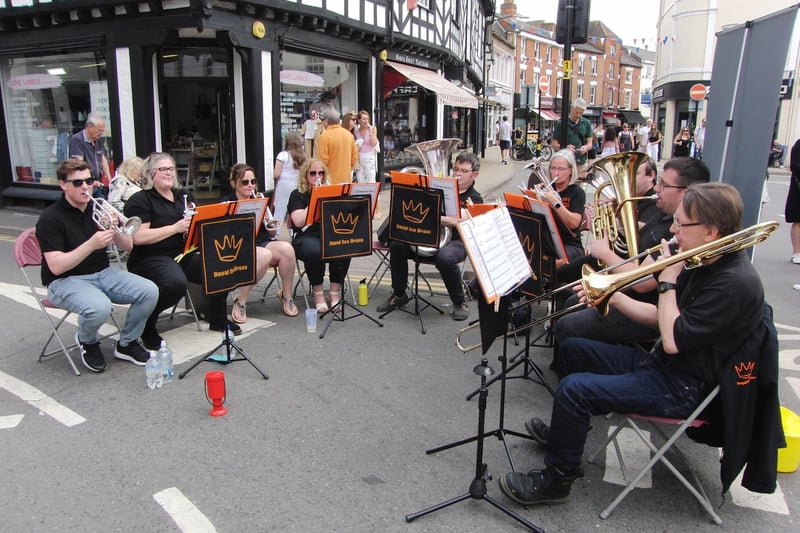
(86,145)
(77,273)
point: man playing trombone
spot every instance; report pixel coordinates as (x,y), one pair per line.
(703,315)
(77,273)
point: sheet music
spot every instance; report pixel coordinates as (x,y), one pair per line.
(366,189)
(257,206)
(449,186)
(543,208)
(496,253)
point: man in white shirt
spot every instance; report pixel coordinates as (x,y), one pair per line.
(505,139)
(699,139)
(644,136)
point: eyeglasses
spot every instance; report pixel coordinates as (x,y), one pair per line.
(248,181)
(462,170)
(316,172)
(560,169)
(685,224)
(166,170)
(663,185)
(79,183)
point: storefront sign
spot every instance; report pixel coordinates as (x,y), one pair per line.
(98,94)
(302,78)
(412,60)
(34,81)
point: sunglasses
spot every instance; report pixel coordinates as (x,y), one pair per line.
(249,181)
(316,172)
(79,183)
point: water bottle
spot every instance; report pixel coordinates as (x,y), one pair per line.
(165,362)
(363,292)
(152,371)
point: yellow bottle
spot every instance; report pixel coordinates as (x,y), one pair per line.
(363,292)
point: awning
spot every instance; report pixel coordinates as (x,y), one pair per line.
(446,93)
(632,117)
(489,102)
(547,114)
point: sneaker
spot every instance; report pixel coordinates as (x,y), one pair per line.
(393,302)
(550,485)
(235,329)
(151,341)
(460,311)
(91,355)
(133,353)
(796,259)
(538,430)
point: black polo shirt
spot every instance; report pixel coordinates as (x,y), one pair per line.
(62,228)
(153,208)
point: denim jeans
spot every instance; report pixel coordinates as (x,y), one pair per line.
(603,378)
(90,297)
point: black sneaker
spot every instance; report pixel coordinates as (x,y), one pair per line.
(550,485)
(91,355)
(151,341)
(538,430)
(133,353)
(460,311)
(235,329)
(393,302)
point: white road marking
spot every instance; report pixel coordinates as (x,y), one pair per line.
(183,512)
(794,383)
(786,359)
(773,503)
(40,400)
(785,326)
(635,455)
(10,421)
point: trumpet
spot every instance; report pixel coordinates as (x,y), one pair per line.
(189,208)
(271,225)
(599,286)
(103,215)
(538,180)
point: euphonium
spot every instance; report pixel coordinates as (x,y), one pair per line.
(103,214)
(271,225)
(615,197)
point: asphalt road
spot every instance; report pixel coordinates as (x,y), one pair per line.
(335,440)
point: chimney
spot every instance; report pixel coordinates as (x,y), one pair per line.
(508,9)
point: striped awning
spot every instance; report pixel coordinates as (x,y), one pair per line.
(447,93)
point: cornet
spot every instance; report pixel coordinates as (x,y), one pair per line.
(103,214)
(189,208)
(271,225)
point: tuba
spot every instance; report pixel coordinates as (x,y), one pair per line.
(435,157)
(614,179)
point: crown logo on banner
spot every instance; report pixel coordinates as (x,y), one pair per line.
(527,244)
(413,212)
(228,250)
(344,223)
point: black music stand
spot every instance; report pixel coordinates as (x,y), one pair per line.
(426,204)
(230,348)
(345,218)
(477,489)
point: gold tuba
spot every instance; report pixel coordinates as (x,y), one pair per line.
(614,179)
(435,157)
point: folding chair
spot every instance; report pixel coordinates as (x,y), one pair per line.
(188,308)
(692,420)
(382,251)
(28,253)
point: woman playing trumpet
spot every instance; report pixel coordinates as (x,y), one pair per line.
(160,239)
(270,252)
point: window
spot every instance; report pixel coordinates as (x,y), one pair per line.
(47,98)
(627,102)
(628,75)
(613,50)
(610,100)
(594,66)
(611,70)
(549,53)
(592,94)
(580,66)
(560,56)
(579,90)
(536,49)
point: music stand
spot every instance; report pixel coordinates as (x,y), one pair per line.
(345,231)
(227,247)
(415,219)
(477,489)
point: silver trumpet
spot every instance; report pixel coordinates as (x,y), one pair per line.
(189,208)
(103,215)
(271,225)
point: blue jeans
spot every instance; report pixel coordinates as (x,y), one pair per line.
(90,297)
(604,378)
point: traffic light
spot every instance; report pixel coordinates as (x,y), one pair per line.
(580,24)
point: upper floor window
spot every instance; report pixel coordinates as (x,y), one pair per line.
(579,90)
(628,75)
(613,50)
(549,53)
(580,66)
(594,66)
(592,94)
(536,49)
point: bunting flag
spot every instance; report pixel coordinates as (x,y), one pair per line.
(411,4)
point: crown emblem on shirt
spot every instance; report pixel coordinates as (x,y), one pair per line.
(744,371)
(344,223)
(414,212)
(228,249)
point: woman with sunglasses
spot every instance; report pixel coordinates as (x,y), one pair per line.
(307,242)
(682,142)
(270,252)
(161,239)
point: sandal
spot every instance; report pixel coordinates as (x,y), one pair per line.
(335,298)
(239,311)
(289,309)
(322,307)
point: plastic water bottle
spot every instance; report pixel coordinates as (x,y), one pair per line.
(165,362)
(152,371)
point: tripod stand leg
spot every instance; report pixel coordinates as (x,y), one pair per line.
(200,360)
(244,357)
(429,510)
(512,514)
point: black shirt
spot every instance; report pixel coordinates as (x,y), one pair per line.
(300,200)
(153,208)
(573,198)
(62,228)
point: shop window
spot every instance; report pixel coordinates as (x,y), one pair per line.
(46,99)
(313,82)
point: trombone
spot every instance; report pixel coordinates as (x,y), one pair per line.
(600,285)
(103,214)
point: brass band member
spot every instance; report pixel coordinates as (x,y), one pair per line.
(161,239)
(567,202)
(270,252)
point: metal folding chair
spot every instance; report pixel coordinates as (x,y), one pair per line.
(188,308)
(693,420)
(28,253)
